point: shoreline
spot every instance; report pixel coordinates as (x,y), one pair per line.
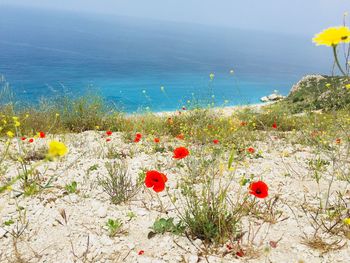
(225,110)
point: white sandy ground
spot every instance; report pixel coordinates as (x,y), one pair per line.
(46,240)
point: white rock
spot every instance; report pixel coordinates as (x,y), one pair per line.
(102,212)
(144,259)
(141,212)
(264,99)
(131,246)
(192,259)
(74,198)
(198,242)
(106,241)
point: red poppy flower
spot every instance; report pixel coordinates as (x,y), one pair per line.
(180,136)
(259,189)
(338,141)
(138,137)
(108,133)
(31,140)
(183,108)
(156,140)
(155,180)
(42,135)
(251,150)
(180,153)
(215,141)
(141,252)
(274,125)
(108,139)
(240,253)
(243,123)
(23,138)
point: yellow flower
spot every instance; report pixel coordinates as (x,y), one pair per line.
(17,124)
(346,221)
(57,149)
(211,76)
(10,134)
(347,86)
(57,115)
(15,118)
(332,36)
(328,85)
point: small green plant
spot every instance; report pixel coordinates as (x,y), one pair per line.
(118,184)
(31,188)
(209,212)
(16,227)
(318,166)
(162,225)
(9,222)
(141,178)
(36,154)
(114,227)
(72,187)
(92,168)
(131,215)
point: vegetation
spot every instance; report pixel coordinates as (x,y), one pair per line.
(319,93)
(195,180)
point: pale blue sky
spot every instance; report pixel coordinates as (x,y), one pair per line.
(294,16)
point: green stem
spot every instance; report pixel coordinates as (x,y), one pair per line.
(336,59)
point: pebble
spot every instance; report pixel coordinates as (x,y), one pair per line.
(142,212)
(106,241)
(192,259)
(131,246)
(102,212)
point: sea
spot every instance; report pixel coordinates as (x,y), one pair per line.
(146,64)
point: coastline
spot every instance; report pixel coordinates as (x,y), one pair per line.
(226,110)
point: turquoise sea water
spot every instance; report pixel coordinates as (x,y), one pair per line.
(127,60)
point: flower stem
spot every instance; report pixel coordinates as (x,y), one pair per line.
(336,59)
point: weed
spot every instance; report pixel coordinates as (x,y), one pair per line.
(118,184)
(114,227)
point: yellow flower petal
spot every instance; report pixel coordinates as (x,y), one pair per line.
(10,134)
(57,149)
(346,221)
(332,36)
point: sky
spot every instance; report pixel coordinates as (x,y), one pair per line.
(301,17)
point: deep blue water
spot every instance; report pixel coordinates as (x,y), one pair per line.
(127,60)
